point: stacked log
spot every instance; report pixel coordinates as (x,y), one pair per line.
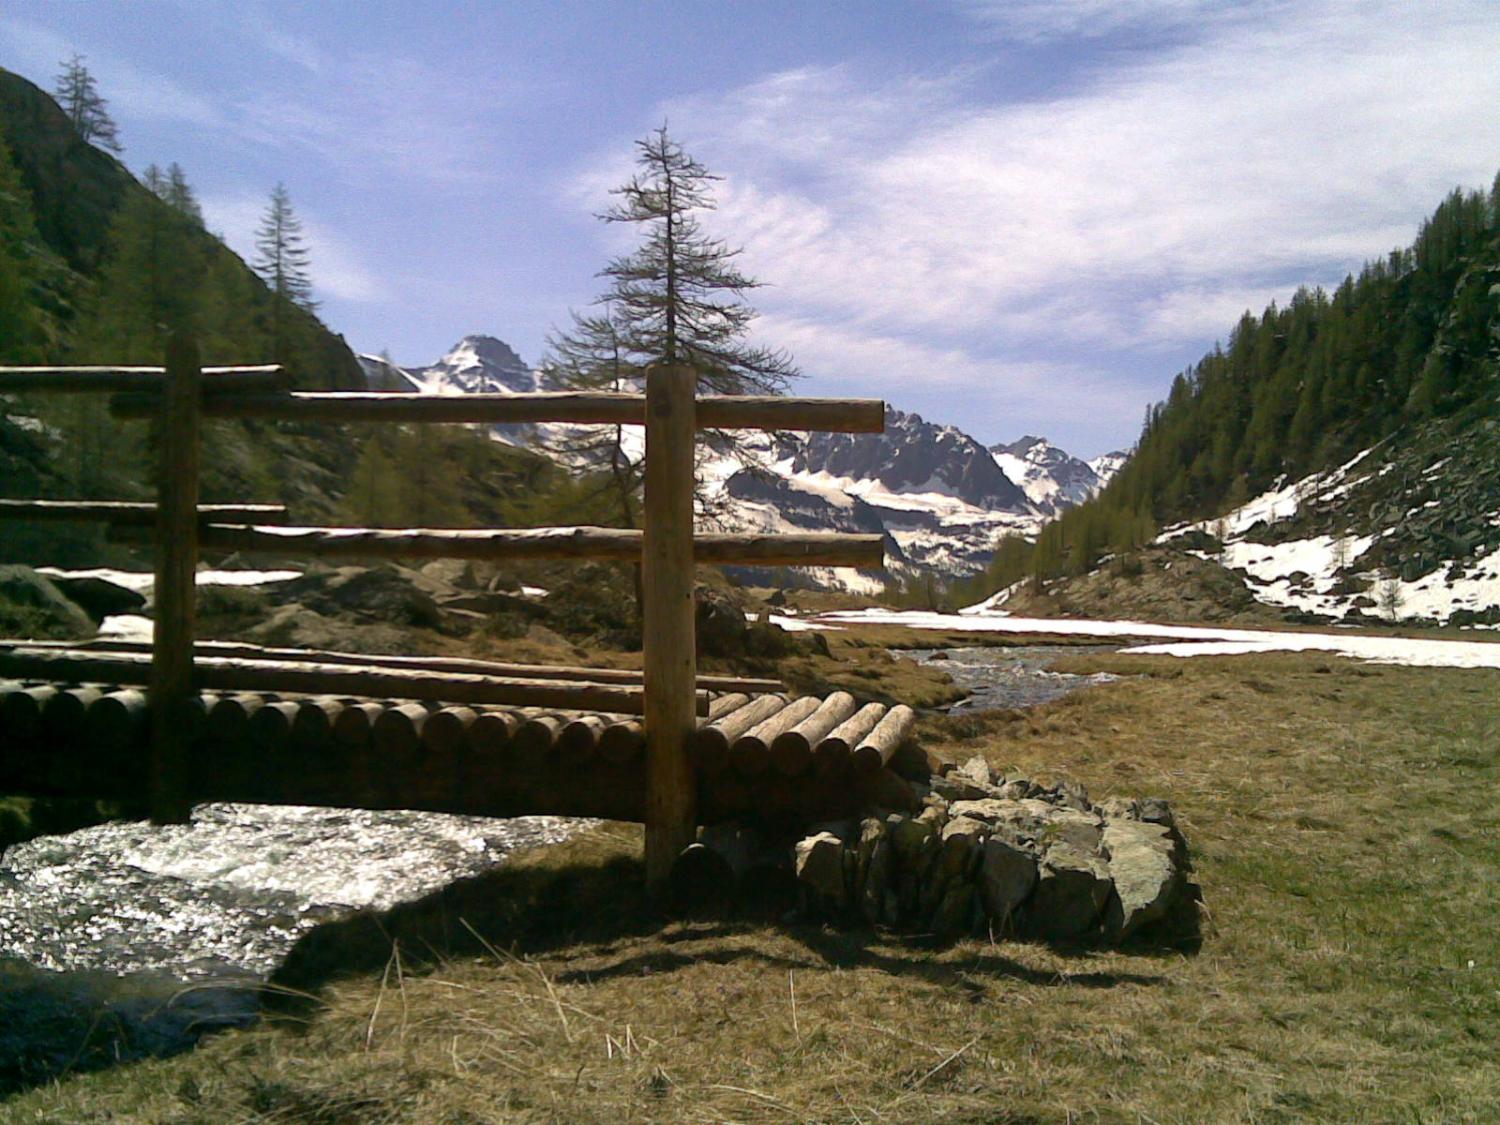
(804,757)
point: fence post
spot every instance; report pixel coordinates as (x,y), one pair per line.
(178,455)
(668,630)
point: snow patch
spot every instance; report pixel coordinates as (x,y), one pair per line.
(1192,640)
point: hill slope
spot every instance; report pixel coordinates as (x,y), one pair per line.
(1338,455)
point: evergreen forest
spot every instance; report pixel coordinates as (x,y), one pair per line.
(1412,341)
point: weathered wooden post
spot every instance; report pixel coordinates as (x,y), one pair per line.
(176,562)
(668,638)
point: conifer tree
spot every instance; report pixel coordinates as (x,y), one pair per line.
(281,261)
(591,356)
(679,295)
(677,298)
(78,94)
(172,188)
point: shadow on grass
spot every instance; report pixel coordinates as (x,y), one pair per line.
(587,897)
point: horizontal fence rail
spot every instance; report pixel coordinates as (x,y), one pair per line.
(774,736)
(224,674)
(237,650)
(714,412)
(131,514)
(144,381)
(619,544)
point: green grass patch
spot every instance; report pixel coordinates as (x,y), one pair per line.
(1343,829)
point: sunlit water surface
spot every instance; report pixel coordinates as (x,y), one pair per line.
(997,677)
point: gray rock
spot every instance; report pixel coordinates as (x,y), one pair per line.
(100,598)
(875,893)
(819,863)
(954,786)
(1071,794)
(1120,808)
(1007,875)
(986,809)
(1155,810)
(1144,869)
(846,829)
(977,770)
(911,838)
(953,914)
(1071,891)
(39,605)
(935,814)
(491,602)
(964,828)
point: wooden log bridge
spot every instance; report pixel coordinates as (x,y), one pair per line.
(663,746)
(69,739)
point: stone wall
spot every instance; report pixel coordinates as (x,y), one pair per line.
(1000,854)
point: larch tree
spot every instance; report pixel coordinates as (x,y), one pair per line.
(679,297)
(281,261)
(78,94)
(592,356)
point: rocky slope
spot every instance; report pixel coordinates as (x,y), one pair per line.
(1408,531)
(940,497)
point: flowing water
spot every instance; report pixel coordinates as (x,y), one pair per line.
(126,939)
(1010,677)
(147,936)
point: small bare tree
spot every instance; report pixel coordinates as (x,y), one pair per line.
(1388,597)
(79,97)
(1341,552)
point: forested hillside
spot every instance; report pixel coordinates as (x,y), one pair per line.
(1406,352)
(99,268)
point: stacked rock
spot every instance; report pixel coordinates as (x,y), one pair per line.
(1000,854)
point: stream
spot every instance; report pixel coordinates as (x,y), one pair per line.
(127,940)
(1020,676)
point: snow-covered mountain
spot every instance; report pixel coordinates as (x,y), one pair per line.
(1052,478)
(941,498)
(474,365)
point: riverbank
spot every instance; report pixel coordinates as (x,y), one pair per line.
(1346,969)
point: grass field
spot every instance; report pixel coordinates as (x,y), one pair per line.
(1344,828)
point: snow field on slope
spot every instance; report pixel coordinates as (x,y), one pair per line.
(1269,567)
(1189,640)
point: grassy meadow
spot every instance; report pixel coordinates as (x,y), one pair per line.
(1343,826)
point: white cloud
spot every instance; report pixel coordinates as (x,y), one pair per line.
(1140,210)
(336,267)
(374,116)
(1037,21)
(129,90)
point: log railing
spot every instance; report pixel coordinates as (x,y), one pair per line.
(667,693)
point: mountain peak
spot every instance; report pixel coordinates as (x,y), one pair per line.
(481,349)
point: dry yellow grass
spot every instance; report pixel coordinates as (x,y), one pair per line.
(1345,832)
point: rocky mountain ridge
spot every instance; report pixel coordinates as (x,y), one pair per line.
(939,496)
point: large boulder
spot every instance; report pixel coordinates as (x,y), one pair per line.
(32,606)
(385,593)
(1008,875)
(819,862)
(1145,872)
(100,598)
(1071,891)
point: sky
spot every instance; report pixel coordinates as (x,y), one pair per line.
(1014,216)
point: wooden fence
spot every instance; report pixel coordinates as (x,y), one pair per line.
(180,394)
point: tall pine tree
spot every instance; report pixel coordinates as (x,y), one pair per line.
(677,298)
(281,259)
(78,94)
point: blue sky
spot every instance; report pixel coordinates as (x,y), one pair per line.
(1018,217)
